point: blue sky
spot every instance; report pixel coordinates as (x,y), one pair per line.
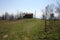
(12,6)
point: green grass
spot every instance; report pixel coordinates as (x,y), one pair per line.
(28,29)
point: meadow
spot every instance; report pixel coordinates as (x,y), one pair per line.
(29,29)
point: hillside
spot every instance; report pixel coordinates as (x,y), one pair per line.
(28,29)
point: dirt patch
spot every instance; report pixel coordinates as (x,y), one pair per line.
(5,36)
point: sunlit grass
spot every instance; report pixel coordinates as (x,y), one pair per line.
(28,29)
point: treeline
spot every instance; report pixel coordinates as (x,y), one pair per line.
(17,16)
(51,11)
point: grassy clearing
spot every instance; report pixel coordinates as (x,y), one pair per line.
(27,29)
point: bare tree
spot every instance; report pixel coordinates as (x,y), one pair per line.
(48,11)
(58,9)
(43,16)
(3,18)
(6,17)
(11,17)
(48,14)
